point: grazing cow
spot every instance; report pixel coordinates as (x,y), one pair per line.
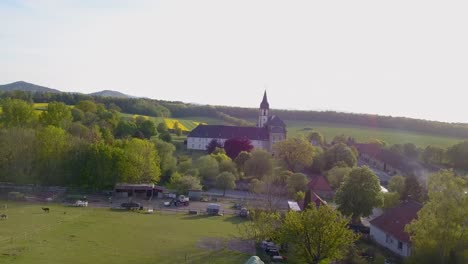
(3,216)
(45,209)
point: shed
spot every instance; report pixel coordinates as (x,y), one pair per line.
(213,209)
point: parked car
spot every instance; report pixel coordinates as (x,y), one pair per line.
(131,206)
(80,203)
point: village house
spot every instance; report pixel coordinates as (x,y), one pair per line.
(320,186)
(269,130)
(388,230)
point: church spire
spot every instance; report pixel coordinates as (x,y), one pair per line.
(265,104)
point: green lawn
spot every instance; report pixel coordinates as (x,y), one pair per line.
(92,235)
(363,134)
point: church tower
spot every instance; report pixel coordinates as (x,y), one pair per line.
(264,108)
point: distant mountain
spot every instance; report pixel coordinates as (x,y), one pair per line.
(27,87)
(110,93)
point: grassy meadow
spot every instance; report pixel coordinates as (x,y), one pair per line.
(364,134)
(98,235)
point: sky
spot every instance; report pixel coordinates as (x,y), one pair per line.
(399,58)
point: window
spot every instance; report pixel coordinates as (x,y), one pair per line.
(400,245)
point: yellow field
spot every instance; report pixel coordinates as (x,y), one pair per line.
(170,123)
(40,106)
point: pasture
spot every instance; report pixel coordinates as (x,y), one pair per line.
(99,235)
(364,134)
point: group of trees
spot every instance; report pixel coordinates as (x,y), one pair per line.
(75,146)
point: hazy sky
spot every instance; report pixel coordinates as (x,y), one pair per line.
(399,58)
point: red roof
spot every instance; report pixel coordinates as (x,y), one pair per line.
(319,184)
(394,220)
(315,199)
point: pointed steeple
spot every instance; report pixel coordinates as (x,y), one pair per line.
(265,104)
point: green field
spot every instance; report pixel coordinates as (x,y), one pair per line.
(92,235)
(363,134)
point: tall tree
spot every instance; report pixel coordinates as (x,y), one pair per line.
(410,150)
(16,113)
(185,183)
(336,176)
(433,155)
(439,234)
(234,146)
(167,160)
(316,138)
(141,163)
(17,155)
(457,154)
(226,181)
(241,159)
(148,128)
(208,168)
(259,165)
(340,154)
(397,184)
(359,194)
(57,114)
(296,153)
(297,182)
(413,189)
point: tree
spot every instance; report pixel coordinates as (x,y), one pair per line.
(359,194)
(125,129)
(397,184)
(228,166)
(177,129)
(317,235)
(226,181)
(413,189)
(433,155)
(234,146)
(208,168)
(270,191)
(167,159)
(17,160)
(16,113)
(390,200)
(220,155)
(165,136)
(57,114)
(141,163)
(410,150)
(214,144)
(241,159)
(457,154)
(148,128)
(296,153)
(397,148)
(52,145)
(439,234)
(77,114)
(259,165)
(340,153)
(87,106)
(297,182)
(185,183)
(162,128)
(336,176)
(316,138)
(299,196)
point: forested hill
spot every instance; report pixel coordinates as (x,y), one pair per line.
(27,87)
(110,93)
(241,116)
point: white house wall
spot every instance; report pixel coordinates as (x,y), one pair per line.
(197,143)
(389,241)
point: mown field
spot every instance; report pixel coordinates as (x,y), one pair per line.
(363,134)
(98,235)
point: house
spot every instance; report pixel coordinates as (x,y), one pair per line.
(388,230)
(269,130)
(320,186)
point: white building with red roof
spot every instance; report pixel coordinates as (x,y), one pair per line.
(388,230)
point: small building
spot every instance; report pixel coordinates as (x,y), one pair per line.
(320,186)
(315,199)
(388,230)
(145,190)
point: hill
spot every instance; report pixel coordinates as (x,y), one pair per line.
(27,87)
(110,93)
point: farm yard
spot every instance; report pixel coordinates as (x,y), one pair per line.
(99,235)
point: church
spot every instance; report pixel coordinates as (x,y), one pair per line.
(269,130)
